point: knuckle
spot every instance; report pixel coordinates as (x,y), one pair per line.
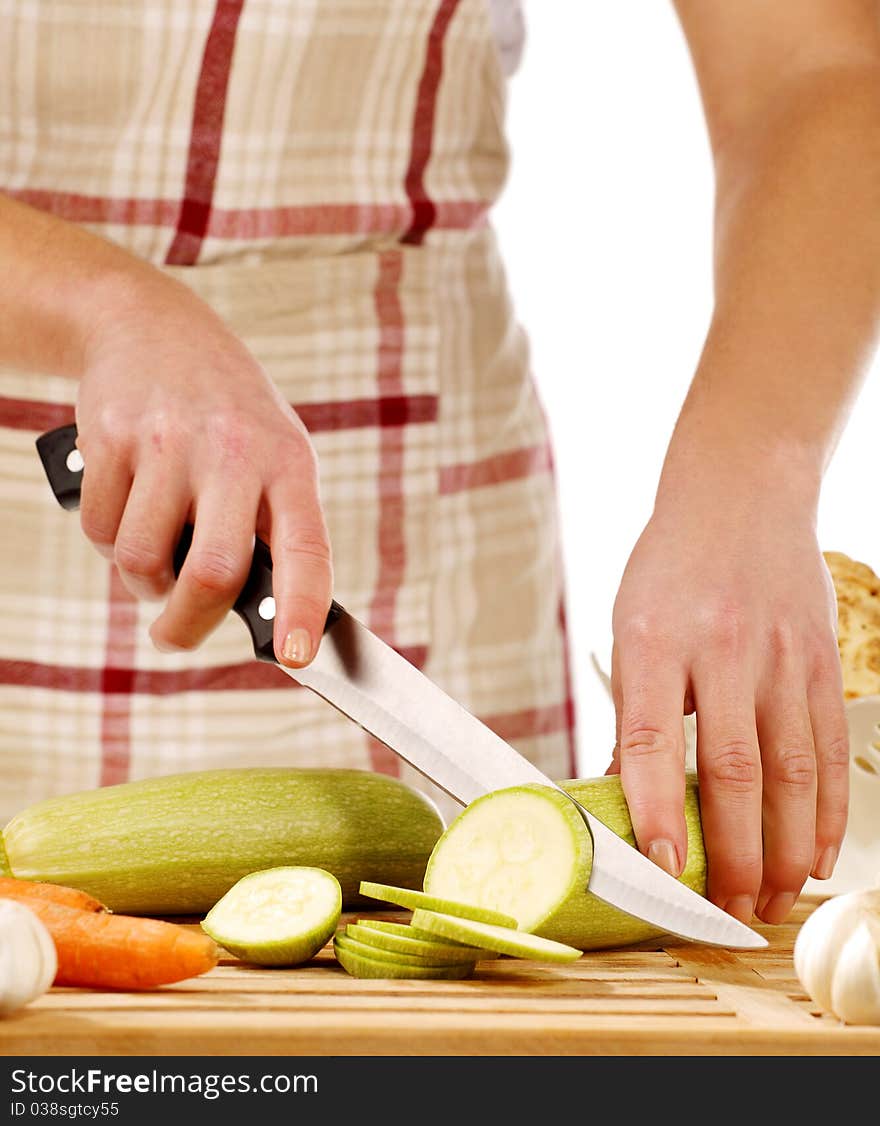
(636,630)
(740,868)
(782,641)
(825,670)
(140,559)
(792,767)
(645,741)
(96,528)
(110,420)
(294,459)
(834,753)
(165,431)
(215,572)
(307,607)
(727,628)
(734,765)
(309,542)
(230,435)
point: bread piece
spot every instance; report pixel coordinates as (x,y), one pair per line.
(858,622)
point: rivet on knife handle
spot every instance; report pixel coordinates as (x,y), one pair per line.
(255,604)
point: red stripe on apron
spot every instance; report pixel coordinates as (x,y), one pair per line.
(116,684)
(392,548)
(248,676)
(206,136)
(78,208)
(350,414)
(512,465)
(424,210)
(29,414)
(391,544)
(251,223)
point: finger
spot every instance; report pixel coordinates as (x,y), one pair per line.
(106,482)
(729,770)
(302,576)
(831,741)
(614,765)
(215,568)
(150,528)
(788,767)
(651,741)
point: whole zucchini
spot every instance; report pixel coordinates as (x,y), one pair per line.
(174,845)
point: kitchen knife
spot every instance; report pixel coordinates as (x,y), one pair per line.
(383,693)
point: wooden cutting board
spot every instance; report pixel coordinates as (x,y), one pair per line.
(659,998)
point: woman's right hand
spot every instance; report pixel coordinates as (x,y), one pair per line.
(179,423)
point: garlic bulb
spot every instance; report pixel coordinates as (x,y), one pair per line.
(28,962)
(837,956)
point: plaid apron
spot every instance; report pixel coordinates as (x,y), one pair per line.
(320,172)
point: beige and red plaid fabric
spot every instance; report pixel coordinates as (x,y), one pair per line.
(321,173)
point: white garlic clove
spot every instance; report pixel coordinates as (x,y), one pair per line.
(28,960)
(48,968)
(855,994)
(819,942)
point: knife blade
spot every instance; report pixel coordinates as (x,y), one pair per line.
(368,681)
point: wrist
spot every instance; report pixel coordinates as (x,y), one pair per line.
(732,473)
(133,295)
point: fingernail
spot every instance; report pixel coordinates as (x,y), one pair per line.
(166,646)
(778,907)
(664,856)
(297,647)
(741,907)
(824,866)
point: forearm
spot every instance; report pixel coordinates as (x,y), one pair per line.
(58,284)
(797,288)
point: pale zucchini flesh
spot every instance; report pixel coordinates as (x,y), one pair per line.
(527,851)
(278,917)
(177,844)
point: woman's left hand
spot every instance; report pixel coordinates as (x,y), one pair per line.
(726,608)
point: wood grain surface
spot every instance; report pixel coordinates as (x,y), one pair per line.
(658,998)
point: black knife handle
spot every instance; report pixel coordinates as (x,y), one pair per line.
(255,604)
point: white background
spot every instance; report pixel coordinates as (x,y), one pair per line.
(606,227)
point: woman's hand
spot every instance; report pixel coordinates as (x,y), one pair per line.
(178,423)
(726,608)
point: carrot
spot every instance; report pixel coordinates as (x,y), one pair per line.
(105,951)
(24,890)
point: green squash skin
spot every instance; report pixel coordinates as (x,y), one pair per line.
(5,870)
(580,919)
(175,845)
